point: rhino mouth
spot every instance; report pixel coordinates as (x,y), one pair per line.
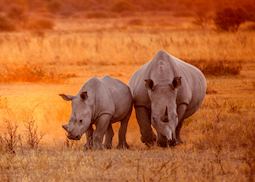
(71,137)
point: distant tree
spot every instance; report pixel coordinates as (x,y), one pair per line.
(230,19)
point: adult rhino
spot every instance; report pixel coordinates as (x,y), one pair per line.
(165,91)
(100,102)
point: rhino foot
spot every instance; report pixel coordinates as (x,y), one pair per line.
(178,141)
(98,146)
(88,146)
(163,144)
(162,141)
(173,143)
(123,146)
(108,146)
(149,141)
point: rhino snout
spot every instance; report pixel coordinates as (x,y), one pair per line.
(71,137)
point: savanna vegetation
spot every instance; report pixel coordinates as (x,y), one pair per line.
(51,47)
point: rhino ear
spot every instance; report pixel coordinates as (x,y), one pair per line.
(176,82)
(65,127)
(84,95)
(66,97)
(149,84)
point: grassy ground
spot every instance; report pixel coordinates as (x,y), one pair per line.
(218,140)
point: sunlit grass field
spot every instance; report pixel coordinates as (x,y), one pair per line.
(35,67)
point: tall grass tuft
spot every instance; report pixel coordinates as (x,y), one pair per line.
(33,137)
(10,138)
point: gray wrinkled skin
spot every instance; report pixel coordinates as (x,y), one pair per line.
(100,102)
(165,91)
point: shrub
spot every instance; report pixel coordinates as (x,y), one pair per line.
(10,138)
(53,6)
(33,137)
(135,21)
(40,24)
(17,13)
(31,73)
(218,68)
(122,6)
(6,24)
(201,18)
(98,14)
(229,19)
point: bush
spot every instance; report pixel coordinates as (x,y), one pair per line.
(17,13)
(122,6)
(53,6)
(33,137)
(10,138)
(135,21)
(229,19)
(218,68)
(98,14)
(40,24)
(31,73)
(6,24)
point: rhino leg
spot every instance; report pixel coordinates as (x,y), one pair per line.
(89,136)
(181,112)
(122,132)
(101,127)
(162,140)
(144,121)
(108,137)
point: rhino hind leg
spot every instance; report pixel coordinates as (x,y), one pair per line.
(123,131)
(108,137)
(143,118)
(89,136)
(101,127)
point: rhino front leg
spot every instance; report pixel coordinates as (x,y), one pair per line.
(162,140)
(101,127)
(122,132)
(89,136)
(108,137)
(144,121)
(181,110)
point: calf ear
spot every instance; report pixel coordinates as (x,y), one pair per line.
(65,127)
(66,97)
(149,84)
(84,95)
(176,82)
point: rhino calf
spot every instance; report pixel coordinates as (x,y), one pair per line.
(100,102)
(165,91)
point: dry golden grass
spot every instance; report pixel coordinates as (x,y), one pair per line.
(31,73)
(218,139)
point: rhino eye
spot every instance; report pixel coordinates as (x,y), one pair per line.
(81,121)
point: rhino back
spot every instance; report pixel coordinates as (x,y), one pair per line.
(137,86)
(192,90)
(194,85)
(120,95)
